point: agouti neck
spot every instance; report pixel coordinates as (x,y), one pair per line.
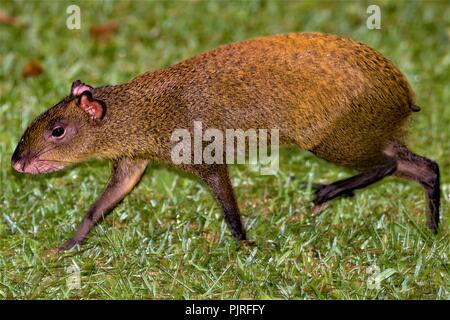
(137,92)
(134,124)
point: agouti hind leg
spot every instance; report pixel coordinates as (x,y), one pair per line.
(126,174)
(346,186)
(423,170)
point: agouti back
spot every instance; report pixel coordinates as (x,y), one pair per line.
(331,95)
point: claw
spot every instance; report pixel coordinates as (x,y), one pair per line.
(318,208)
(69,244)
(246,245)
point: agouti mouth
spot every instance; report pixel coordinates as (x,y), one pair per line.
(36,166)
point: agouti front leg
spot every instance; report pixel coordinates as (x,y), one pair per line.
(125,175)
(218,180)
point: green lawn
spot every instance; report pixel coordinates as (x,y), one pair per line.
(168,238)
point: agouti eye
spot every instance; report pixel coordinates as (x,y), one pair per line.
(58,132)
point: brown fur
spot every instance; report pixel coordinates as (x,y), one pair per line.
(330,95)
(333,96)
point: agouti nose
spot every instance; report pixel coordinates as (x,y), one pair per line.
(17,162)
(18,166)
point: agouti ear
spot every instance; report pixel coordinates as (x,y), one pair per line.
(79,87)
(96,109)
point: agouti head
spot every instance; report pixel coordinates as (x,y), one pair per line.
(63,135)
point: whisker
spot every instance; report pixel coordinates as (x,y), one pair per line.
(45,150)
(42,150)
(39,172)
(50,160)
(29,150)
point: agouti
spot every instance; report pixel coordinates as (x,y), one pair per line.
(330,95)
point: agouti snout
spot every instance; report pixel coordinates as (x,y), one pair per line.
(330,95)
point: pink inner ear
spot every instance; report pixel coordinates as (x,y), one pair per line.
(80,89)
(91,107)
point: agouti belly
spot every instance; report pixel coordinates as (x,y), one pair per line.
(333,96)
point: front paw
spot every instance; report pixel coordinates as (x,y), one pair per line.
(246,245)
(69,244)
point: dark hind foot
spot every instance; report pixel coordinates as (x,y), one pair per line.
(320,186)
(423,170)
(345,187)
(320,203)
(318,208)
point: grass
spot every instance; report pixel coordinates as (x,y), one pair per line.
(168,238)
